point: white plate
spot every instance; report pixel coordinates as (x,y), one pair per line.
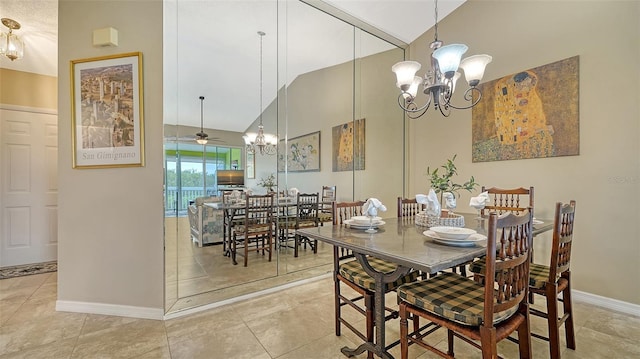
(468,242)
(363,219)
(452,232)
(535,221)
(353,225)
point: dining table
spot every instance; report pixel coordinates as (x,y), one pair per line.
(233,210)
(403,242)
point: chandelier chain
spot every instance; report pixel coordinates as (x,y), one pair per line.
(436,20)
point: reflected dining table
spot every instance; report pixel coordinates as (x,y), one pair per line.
(402,242)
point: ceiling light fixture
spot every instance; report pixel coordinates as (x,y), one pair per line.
(262,143)
(201,137)
(11,45)
(440,81)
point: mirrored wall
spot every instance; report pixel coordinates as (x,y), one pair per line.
(322,85)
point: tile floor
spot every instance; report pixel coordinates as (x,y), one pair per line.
(296,323)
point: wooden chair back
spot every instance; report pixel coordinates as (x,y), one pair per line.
(345,210)
(307,210)
(509,240)
(508,200)
(562,239)
(409,207)
(259,212)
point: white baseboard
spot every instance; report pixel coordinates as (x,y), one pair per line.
(608,303)
(110,309)
(158,313)
(244,297)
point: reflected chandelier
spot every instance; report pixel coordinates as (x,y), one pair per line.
(11,45)
(440,81)
(262,143)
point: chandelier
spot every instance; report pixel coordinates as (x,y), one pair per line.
(201,137)
(262,143)
(439,82)
(11,45)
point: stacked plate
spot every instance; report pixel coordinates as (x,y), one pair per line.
(363,222)
(454,236)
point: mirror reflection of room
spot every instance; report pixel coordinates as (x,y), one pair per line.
(303,96)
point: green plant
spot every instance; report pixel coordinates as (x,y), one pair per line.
(269,182)
(443,182)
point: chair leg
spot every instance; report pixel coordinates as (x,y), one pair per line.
(234,244)
(551,294)
(369,310)
(336,290)
(270,240)
(568,310)
(524,338)
(488,341)
(246,250)
(404,331)
(296,244)
(450,342)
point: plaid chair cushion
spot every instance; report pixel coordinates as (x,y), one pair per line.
(538,276)
(354,273)
(325,217)
(239,230)
(451,296)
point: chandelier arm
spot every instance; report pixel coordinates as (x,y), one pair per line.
(468,96)
(413,108)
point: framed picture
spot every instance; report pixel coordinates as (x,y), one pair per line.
(251,165)
(301,154)
(348,141)
(107,109)
(530,114)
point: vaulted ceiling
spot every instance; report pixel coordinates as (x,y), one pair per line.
(402,19)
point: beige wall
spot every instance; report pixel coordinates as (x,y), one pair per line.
(28,89)
(605,177)
(111,220)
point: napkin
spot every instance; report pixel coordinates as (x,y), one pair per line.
(480,201)
(449,200)
(293,192)
(372,205)
(431,202)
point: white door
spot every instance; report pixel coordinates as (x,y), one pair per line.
(28,186)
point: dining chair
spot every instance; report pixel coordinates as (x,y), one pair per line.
(348,271)
(326,204)
(409,207)
(551,280)
(256,227)
(508,200)
(481,314)
(306,216)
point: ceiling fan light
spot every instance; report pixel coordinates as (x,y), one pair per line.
(405,73)
(448,58)
(474,67)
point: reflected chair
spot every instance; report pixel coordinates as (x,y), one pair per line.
(326,204)
(551,280)
(348,271)
(306,216)
(409,207)
(476,312)
(257,227)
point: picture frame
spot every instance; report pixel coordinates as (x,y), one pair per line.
(301,154)
(251,166)
(348,146)
(107,111)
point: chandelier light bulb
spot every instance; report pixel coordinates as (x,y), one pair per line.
(474,66)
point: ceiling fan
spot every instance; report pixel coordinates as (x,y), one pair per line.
(200,137)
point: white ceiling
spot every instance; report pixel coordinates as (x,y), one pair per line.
(221,35)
